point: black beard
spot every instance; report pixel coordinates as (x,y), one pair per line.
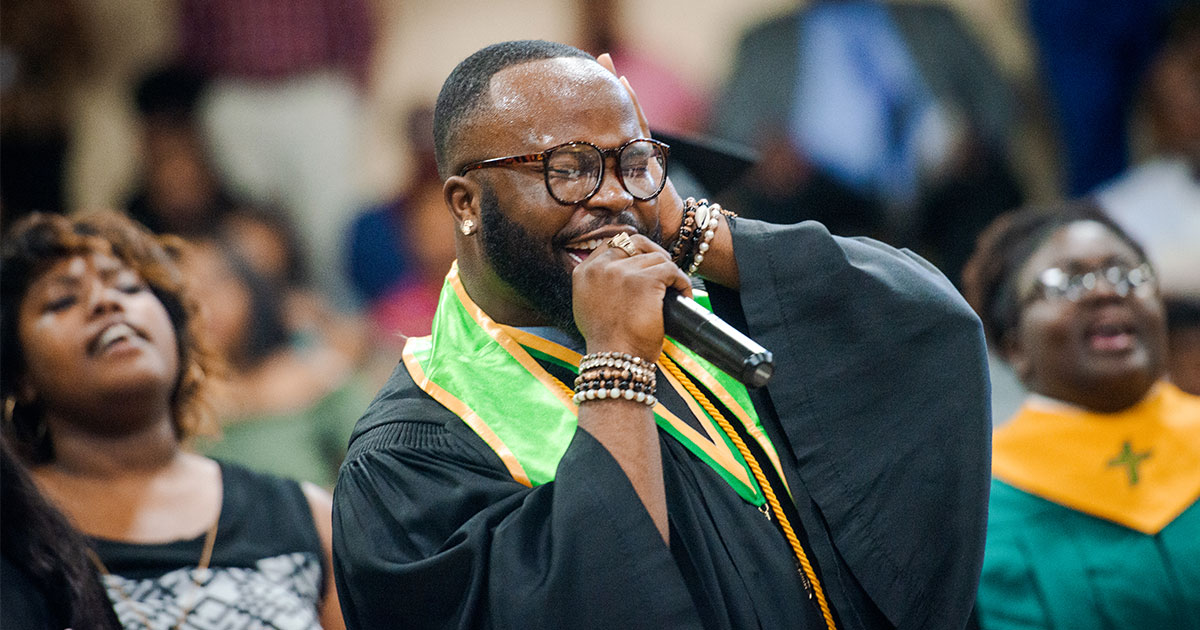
(533,269)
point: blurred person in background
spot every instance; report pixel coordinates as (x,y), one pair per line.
(1158,200)
(45,53)
(1183,331)
(1094,520)
(1092,56)
(399,252)
(178,191)
(282,113)
(267,241)
(674,104)
(892,111)
(290,397)
(104,381)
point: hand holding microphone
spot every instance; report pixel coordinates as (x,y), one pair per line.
(702,332)
(711,337)
(694,326)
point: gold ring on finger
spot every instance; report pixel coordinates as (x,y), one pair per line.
(625,243)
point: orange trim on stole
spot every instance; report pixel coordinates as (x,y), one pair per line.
(468,416)
(714,447)
(499,333)
(730,403)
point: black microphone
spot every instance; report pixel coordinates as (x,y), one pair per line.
(696,328)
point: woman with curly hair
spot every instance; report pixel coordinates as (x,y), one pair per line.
(1094,520)
(103,385)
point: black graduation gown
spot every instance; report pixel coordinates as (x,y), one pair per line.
(879,411)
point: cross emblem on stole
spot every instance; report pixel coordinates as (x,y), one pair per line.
(1130,460)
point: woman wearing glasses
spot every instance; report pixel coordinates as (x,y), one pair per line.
(1094,520)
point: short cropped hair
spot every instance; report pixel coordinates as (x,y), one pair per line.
(990,276)
(464,90)
(170,93)
(40,240)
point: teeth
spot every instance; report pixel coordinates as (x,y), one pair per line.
(113,334)
(588,244)
(1109,330)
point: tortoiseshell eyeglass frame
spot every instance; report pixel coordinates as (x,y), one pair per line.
(544,156)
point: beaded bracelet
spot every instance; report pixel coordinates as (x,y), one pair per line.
(600,393)
(615,375)
(632,375)
(699,227)
(706,234)
(686,231)
(689,232)
(621,371)
(613,359)
(593,388)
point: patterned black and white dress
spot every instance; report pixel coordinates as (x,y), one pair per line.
(267,567)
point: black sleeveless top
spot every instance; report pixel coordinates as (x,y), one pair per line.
(267,568)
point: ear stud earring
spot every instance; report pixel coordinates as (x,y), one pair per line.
(467,227)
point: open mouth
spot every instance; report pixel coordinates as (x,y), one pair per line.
(113,336)
(1111,337)
(578,251)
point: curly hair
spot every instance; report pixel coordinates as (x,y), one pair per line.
(40,240)
(990,275)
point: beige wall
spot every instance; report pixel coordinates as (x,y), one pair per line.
(423,41)
(420,41)
(127,37)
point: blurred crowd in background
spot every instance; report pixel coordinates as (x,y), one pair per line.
(291,142)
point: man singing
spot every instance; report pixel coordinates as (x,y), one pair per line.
(546,458)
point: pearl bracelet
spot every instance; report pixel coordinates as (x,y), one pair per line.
(613,394)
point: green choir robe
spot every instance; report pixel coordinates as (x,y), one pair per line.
(1094,520)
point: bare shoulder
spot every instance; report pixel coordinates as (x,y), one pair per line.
(321,504)
(200,469)
(320,501)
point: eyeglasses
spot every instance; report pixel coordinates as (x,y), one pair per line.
(1056,284)
(573,171)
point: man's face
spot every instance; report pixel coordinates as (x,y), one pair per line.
(528,266)
(531,241)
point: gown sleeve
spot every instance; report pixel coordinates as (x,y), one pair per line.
(426,519)
(882,396)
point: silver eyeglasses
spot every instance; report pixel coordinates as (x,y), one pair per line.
(1057,284)
(573,171)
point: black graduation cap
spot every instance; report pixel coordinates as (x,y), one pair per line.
(713,163)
